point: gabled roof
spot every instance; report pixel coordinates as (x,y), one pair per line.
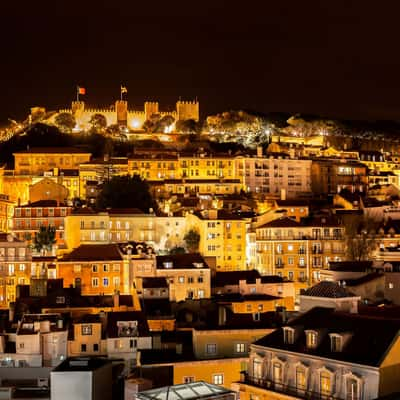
(327,289)
(94,252)
(370,337)
(44,203)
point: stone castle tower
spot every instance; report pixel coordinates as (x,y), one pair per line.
(121,108)
(187,110)
(150,107)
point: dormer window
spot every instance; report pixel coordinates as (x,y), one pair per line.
(336,342)
(288,335)
(312,338)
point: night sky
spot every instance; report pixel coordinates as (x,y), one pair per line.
(336,58)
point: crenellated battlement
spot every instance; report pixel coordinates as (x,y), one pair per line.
(134,119)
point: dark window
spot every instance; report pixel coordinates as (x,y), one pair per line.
(83,348)
(95,347)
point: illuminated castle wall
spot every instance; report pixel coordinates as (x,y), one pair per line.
(133,119)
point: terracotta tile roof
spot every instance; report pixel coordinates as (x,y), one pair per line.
(53,150)
(327,289)
(182,261)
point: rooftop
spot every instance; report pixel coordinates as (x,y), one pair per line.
(327,289)
(53,150)
(363,331)
(182,261)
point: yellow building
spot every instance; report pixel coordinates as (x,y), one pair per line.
(6,212)
(298,251)
(100,170)
(222,235)
(15,267)
(38,160)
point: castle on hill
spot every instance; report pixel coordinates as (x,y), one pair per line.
(133,119)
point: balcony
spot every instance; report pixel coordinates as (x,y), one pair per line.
(317,251)
(301,266)
(296,392)
(279,265)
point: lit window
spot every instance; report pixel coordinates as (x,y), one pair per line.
(86,330)
(218,379)
(311,340)
(188,379)
(301,383)
(181,279)
(257,368)
(336,343)
(352,388)
(240,347)
(105,282)
(325,383)
(391,286)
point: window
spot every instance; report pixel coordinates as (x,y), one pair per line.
(277,372)
(211,348)
(201,294)
(105,282)
(257,368)
(77,268)
(116,267)
(83,348)
(336,343)
(290,260)
(117,344)
(181,279)
(95,282)
(240,347)
(86,330)
(132,343)
(116,281)
(218,379)
(279,248)
(290,275)
(288,335)
(22,267)
(94,268)
(325,383)
(290,247)
(391,286)
(96,347)
(311,340)
(200,279)
(190,279)
(352,388)
(105,268)
(188,379)
(301,378)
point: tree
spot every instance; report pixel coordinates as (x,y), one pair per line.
(44,239)
(164,123)
(177,250)
(360,239)
(192,240)
(98,122)
(126,192)
(65,122)
(187,126)
(151,124)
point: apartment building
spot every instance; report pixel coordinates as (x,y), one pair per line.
(28,219)
(222,235)
(15,266)
(322,354)
(274,173)
(299,251)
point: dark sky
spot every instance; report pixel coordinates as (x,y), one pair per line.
(339,58)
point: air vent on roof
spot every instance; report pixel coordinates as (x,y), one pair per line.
(198,264)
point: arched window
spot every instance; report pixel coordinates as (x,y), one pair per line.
(301,377)
(353,387)
(257,368)
(325,382)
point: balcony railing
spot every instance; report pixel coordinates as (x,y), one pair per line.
(280,265)
(299,392)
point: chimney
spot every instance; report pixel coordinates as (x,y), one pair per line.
(259,151)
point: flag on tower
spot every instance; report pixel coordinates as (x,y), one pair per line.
(124,89)
(81,90)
